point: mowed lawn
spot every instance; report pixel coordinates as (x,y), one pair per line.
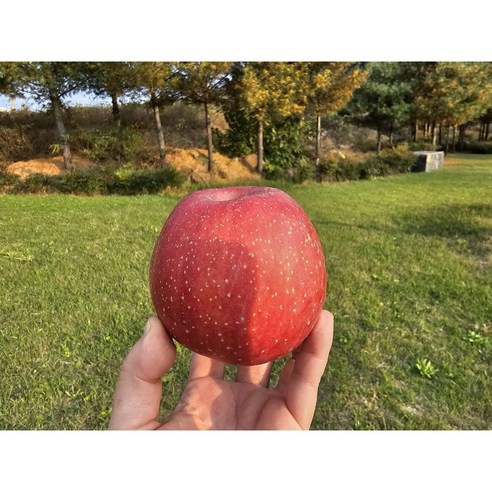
(410,284)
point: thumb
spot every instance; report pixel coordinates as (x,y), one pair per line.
(137,396)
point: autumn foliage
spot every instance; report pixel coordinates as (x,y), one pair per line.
(275,110)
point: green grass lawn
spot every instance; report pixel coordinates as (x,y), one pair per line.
(410,284)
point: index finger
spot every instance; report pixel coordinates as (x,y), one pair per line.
(309,365)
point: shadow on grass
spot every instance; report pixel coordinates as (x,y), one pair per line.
(461,225)
(465,227)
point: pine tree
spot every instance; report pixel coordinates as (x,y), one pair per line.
(203,83)
(384,99)
(49,83)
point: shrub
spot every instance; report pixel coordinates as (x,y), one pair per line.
(104,145)
(340,169)
(390,161)
(7,180)
(101,181)
(134,182)
(478,147)
(302,173)
(423,145)
(398,159)
(14,145)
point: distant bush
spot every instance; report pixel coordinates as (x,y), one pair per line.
(478,147)
(7,180)
(104,145)
(391,161)
(398,159)
(340,169)
(14,145)
(423,145)
(95,181)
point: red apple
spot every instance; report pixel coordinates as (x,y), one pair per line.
(238,274)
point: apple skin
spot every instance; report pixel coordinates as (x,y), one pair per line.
(238,274)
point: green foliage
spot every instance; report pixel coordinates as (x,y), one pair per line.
(478,147)
(98,182)
(423,145)
(11,78)
(384,99)
(104,145)
(302,173)
(452,93)
(274,90)
(7,180)
(14,143)
(133,182)
(390,161)
(240,138)
(399,159)
(202,82)
(330,85)
(425,367)
(284,140)
(285,143)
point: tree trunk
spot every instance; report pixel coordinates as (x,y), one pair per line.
(415,131)
(158,127)
(210,149)
(259,161)
(487,128)
(378,144)
(117,121)
(447,140)
(12,103)
(439,138)
(60,126)
(461,137)
(318,147)
(453,142)
(433,133)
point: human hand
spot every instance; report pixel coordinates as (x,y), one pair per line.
(209,401)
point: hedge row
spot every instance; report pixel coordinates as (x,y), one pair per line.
(129,181)
(388,162)
(94,182)
(478,147)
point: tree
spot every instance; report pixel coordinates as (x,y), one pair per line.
(203,83)
(10,80)
(273,91)
(384,99)
(111,79)
(154,80)
(452,94)
(485,120)
(330,87)
(49,83)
